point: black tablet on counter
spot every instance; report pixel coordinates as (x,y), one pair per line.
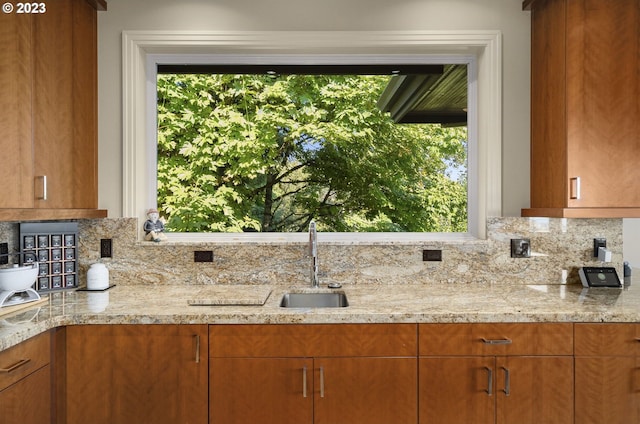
(599,277)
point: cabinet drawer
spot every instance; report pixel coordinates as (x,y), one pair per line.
(496,339)
(607,339)
(317,340)
(23,359)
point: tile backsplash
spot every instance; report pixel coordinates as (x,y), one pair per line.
(558,248)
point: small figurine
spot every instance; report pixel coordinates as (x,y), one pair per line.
(154,227)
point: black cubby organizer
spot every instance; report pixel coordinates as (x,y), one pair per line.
(54,245)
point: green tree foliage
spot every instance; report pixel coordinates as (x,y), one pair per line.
(257,153)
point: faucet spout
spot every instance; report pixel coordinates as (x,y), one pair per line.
(313,252)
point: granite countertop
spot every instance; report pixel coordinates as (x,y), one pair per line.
(259,304)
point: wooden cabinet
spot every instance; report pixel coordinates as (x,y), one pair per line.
(25,382)
(322,374)
(48,70)
(585,57)
(607,368)
(496,373)
(136,374)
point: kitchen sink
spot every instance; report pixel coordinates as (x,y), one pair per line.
(314,300)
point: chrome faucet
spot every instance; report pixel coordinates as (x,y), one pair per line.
(313,252)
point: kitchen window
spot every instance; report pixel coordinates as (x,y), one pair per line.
(480,52)
(365,148)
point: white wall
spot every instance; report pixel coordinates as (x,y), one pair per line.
(327,15)
(319,15)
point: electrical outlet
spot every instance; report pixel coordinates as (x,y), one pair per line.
(432,255)
(597,244)
(4,253)
(105,248)
(202,256)
(520,248)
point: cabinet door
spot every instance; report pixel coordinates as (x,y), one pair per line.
(16,69)
(122,374)
(64,105)
(607,390)
(603,58)
(457,390)
(261,390)
(534,390)
(365,390)
(29,400)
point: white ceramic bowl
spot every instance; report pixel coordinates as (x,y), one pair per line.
(19,277)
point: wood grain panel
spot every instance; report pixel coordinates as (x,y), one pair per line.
(313,340)
(540,390)
(607,390)
(366,391)
(16,66)
(136,374)
(467,339)
(603,69)
(29,400)
(548,106)
(37,351)
(83,182)
(52,101)
(607,339)
(260,390)
(457,390)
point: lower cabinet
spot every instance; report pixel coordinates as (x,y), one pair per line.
(25,382)
(123,374)
(496,373)
(607,372)
(321,374)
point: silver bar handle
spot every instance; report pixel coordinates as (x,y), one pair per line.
(489,381)
(197,340)
(507,381)
(304,381)
(497,341)
(43,178)
(321,382)
(574,188)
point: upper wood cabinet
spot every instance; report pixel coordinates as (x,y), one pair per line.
(585,86)
(48,71)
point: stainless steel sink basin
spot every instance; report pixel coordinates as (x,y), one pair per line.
(314,300)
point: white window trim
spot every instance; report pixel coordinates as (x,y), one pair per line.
(480,49)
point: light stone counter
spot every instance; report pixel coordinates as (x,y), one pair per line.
(398,303)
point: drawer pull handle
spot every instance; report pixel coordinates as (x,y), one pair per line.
(15,366)
(321,382)
(489,381)
(197,339)
(496,341)
(507,381)
(574,187)
(43,187)
(304,381)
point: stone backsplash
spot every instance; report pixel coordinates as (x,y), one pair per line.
(558,248)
